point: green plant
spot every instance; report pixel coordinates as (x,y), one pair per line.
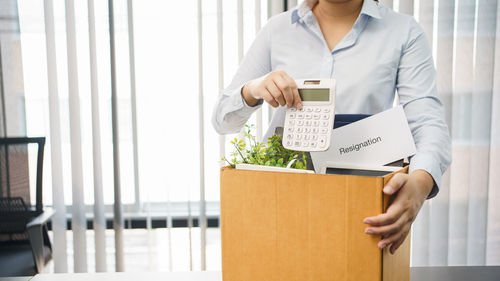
(272,153)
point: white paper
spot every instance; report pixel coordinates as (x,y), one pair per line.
(252,167)
(376,140)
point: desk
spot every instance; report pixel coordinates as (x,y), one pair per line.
(448,273)
(455,273)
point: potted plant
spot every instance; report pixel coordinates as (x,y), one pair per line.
(250,151)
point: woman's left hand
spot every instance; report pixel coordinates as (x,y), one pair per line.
(394,225)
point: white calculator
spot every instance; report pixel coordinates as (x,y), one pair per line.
(310,128)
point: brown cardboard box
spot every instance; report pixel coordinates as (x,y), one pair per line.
(304,227)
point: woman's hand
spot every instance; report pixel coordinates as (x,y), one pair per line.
(276,88)
(394,225)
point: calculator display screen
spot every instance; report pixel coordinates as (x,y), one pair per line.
(314,94)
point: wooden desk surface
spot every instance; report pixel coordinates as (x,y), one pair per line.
(447,273)
(132,276)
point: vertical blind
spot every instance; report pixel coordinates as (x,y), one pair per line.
(458,227)
(118,220)
(78,220)
(59,219)
(99,222)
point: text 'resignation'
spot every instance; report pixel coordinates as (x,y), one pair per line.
(357,147)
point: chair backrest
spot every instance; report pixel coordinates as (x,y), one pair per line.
(15,172)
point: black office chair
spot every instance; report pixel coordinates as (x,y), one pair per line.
(25,247)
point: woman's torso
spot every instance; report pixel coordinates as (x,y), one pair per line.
(365,63)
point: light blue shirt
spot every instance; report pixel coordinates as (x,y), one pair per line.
(383,53)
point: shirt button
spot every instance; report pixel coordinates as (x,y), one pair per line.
(329,59)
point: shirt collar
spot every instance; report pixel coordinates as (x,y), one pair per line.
(369,8)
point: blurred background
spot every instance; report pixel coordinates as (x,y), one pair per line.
(131,177)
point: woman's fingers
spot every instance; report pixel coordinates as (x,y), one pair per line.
(297,102)
(395,238)
(286,90)
(275,92)
(277,88)
(396,182)
(396,245)
(387,229)
(269,98)
(391,216)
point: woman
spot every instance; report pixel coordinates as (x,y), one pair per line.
(372,52)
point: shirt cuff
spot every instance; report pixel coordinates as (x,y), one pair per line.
(240,106)
(426,162)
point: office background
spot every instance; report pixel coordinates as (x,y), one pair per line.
(171,58)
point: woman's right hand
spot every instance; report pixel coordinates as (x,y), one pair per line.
(277,88)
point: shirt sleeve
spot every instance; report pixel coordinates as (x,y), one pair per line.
(416,86)
(231,112)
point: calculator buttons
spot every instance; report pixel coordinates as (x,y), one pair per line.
(308,129)
(322,141)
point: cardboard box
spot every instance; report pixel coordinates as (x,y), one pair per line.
(304,227)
